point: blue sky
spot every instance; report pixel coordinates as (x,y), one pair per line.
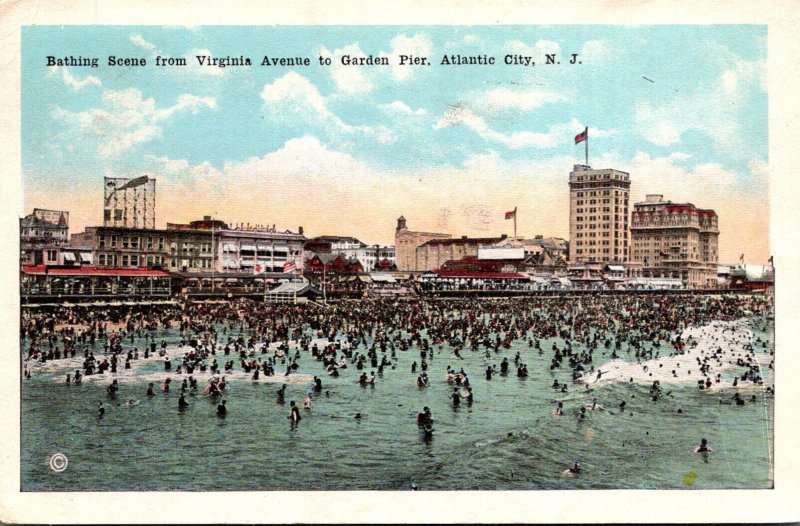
(447,146)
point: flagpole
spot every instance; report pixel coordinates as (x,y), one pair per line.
(586,132)
(515,222)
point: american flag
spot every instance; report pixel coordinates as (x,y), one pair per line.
(289,266)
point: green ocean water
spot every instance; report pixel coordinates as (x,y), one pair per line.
(152,446)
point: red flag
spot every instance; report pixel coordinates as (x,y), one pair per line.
(582,136)
(511,215)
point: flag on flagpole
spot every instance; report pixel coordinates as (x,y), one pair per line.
(289,266)
(741,258)
(512,214)
(259,269)
(771,261)
(582,136)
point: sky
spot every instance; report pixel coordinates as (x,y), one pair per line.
(347,149)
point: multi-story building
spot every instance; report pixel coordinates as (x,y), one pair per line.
(121,247)
(675,240)
(434,253)
(371,257)
(241,248)
(598,215)
(200,246)
(41,233)
(44,227)
(406,243)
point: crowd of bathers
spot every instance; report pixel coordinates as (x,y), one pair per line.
(272,340)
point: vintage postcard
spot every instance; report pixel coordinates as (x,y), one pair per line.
(284,263)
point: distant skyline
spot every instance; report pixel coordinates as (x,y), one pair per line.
(346,150)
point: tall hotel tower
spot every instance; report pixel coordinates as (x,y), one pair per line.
(598,215)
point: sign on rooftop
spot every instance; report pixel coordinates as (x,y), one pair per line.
(501,253)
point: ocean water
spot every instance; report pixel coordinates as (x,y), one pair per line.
(152,446)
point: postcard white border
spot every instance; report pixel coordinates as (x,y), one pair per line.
(780,504)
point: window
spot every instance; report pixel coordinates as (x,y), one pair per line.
(114,240)
(101,241)
(125,241)
(134,260)
(101,259)
(125,260)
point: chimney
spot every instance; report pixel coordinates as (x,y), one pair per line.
(206,218)
(300,230)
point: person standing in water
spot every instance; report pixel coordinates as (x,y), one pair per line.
(222,411)
(294,416)
(703,447)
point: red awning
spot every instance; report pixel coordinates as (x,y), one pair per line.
(40,270)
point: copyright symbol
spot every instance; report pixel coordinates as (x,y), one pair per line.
(58,462)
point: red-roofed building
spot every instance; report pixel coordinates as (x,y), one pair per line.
(675,240)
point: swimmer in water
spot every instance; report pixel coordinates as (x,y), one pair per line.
(101,411)
(294,415)
(222,411)
(559,410)
(573,470)
(150,389)
(703,447)
(182,403)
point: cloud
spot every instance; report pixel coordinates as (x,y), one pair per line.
(665,123)
(126,118)
(350,80)
(467,40)
(73,81)
(595,50)
(142,43)
(401,108)
(293,98)
(499,99)
(556,135)
(364,199)
(418,45)
(537,50)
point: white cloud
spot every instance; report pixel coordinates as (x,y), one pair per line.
(126,119)
(142,43)
(401,108)
(418,45)
(556,135)
(537,50)
(665,123)
(349,79)
(73,81)
(522,100)
(595,50)
(293,97)
(467,40)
